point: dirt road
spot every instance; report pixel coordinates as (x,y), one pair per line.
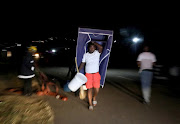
(118,103)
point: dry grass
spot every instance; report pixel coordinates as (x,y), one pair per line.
(15,109)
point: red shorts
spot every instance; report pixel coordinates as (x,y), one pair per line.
(93,80)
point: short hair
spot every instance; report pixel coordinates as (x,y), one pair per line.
(146,48)
(91,44)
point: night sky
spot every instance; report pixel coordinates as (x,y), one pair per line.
(160,31)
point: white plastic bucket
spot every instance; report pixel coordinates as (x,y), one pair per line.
(78,80)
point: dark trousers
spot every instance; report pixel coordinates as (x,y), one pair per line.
(27,86)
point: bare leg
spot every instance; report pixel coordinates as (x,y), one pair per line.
(90,96)
(96,91)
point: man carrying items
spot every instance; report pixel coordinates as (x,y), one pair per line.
(91,59)
(27,70)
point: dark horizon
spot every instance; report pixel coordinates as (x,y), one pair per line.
(161,36)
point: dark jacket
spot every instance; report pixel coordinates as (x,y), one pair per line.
(26,65)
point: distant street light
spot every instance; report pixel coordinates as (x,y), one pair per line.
(53,50)
(136,39)
(51,38)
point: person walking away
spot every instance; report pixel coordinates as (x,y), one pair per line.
(91,59)
(26,72)
(145,61)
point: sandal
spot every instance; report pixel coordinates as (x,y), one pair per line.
(91,107)
(94,103)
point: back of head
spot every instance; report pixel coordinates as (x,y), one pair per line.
(146,48)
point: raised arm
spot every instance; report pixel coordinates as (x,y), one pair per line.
(100,48)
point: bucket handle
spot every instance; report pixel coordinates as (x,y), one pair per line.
(76,65)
